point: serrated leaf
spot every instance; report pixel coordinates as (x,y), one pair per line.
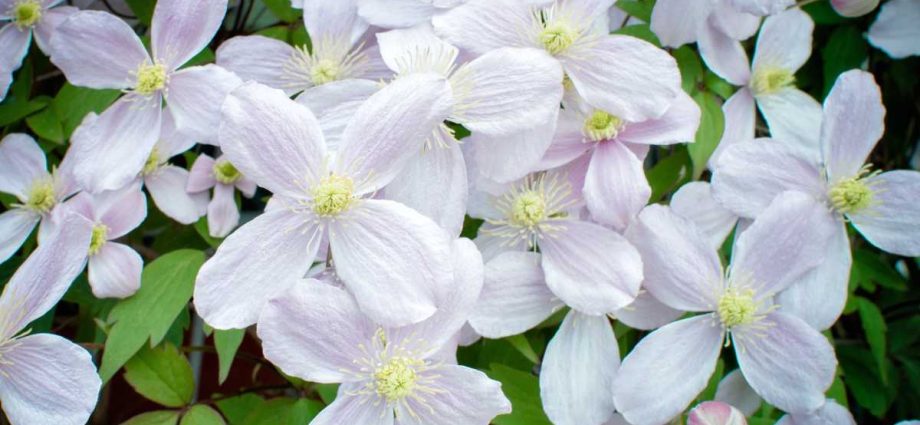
(846,49)
(159,417)
(712,123)
(200,414)
(227,342)
(523,390)
(873,324)
(166,287)
(162,375)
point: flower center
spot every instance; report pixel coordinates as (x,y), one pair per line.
(26,13)
(150,78)
(153,163)
(324,71)
(770,80)
(397,378)
(558,36)
(737,308)
(851,195)
(528,209)
(41,197)
(602,126)
(100,232)
(332,195)
(225,172)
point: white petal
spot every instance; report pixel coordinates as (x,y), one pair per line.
(678,22)
(201,176)
(740,116)
(793,117)
(715,413)
(181,28)
(434,184)
(576,376)
(121,211)
(115,271)
(892,223)
(15,44)
(508,24)
(22,163)
(508,157)
(784,41)
(677,125)
(737,25)
(830,413)
(854,120)
(647,313)
(615,187)
(400,47)
(694,202)
(261,59)
(223,214)
(762,7)
(395,13)
(894,31)
(46,27)
(734,390)
(195,98)
(466,396)
(354,410)
(335,104)
(15,227)
(724,55)
(167,188)
(333,20)
(683,356)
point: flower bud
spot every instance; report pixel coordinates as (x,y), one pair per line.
(715,413)
(854,8)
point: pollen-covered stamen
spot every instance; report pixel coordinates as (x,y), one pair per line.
(150,78)
(532,208)
(41,197)
(528,209)
(558,35)
(324,71)
(770,80)
(225,172)
(737,307)
(333,195)
(396,379)
(152,164)
(26,13)
(99,238)
(602,126)
(854,194)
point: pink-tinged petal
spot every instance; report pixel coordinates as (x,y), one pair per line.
(271,139)
(724,55)
(735,24)
(195,98)
(48,380)
(734,390)
(591,268)
(677,125)
(246,187)
(762,7)
(854,120)
(384,250)
(715,413)
(576,376)
(45,28)
(894,30)
(172,141)
(479,26)
(98,50)
(223,214)
(42,279)
(167,188)
(201,176)
(615,187)
(434,184)
(261,59)
(678,22)
(854,8)
(315,331)
(795,118)
(181,28)
(15,44)
(514,297)
(749,175)
(787,240)
(508,157)
(569,141)
(115,271)
(395,13)
(390,128)
(892,222)
(612,74)
(647,313)
(333,20)
(694,202)
(353,409)
(683,355)
(121,211)
(682,269)
(820,295)
(110,151)
(740,116)
(784,41)
(15,227)
(786,361)
(335,104)
(464,396)
(509,90)
(253,265)
(22,163)
(830,413)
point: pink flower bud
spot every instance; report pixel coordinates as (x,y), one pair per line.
(715,413)
(854,8)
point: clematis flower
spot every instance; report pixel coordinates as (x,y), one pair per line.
(26,18)
(762,7)
(734,390)
(694,201)
(679,22)
(831,413)
(715,413)
(318,332)
(785,361)
(341,48)
(895,30)
(46,378)
(24,174)
(220,174)
(99,50)
(403,13)
(881,206)
(783,46)
(386,253)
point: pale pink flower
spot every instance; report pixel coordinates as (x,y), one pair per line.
(831,413)
(403,13)
(715,413)
(854,8)
(733,389)
(895,29)
(220,174)
(27,18)
(762,7)
(679,22)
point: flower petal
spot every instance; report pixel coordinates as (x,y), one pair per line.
(830,413)
(735,24)
(715,413)
(615,187)
(121,211)
(48,379)
(683,356)
(508,157)
(15,44)
(354,410)
(894,31)
(762,7)
(335,104)
(115,271)
(465,396)
(576,376)
(15,227)
(646,313)
(854,120)
(45,28)
(22,163)
(677,125)
(201,176)
(678,22)
(261,59)
(181,28)
(400,47)
(333,20)
(724,55)
(434,184)
(735,391)
(167,188)
(223,214)
(591,268)
(508,24)
(694,202)
(892,223)
(740,116)
(195,98)
(253,265)
(794,117)
(784,41)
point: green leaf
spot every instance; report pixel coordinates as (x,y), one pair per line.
(201,226)
(235,409)
(639,9)
(523,390)
(227,342)
(162,375)
(47,125)
(838,391)
(846,49)
(143,9)
(283,10)
(284,411)
(860,374)
(72,103)
(159,417)
(691,69)
(712,123)
(869,268)
(873,324)
(327,392)
(823,14)
(717,85)
(667,174)
(200,414)
(520,343)
(11,112)
(166,287)
(279,32)
(640,31)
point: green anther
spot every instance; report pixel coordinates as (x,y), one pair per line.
(558,36)
(100,233)
(150,78)
(851,195)
(41,198)
(737,308)
(397,378)
(771,80)
(26,13)
(153,162)
(225,172)
(332,195)
(528,209)
(602,126)
(324,71)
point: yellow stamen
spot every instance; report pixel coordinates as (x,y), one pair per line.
(150,78)
(332,195)
(737,308)
(602,126)
(397,379)
(41,197)
(854,194)
(26,13)
(100,233)
(528,209)
(324,71)
(557,36)
(770,80)
(226,173)
(153,162)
